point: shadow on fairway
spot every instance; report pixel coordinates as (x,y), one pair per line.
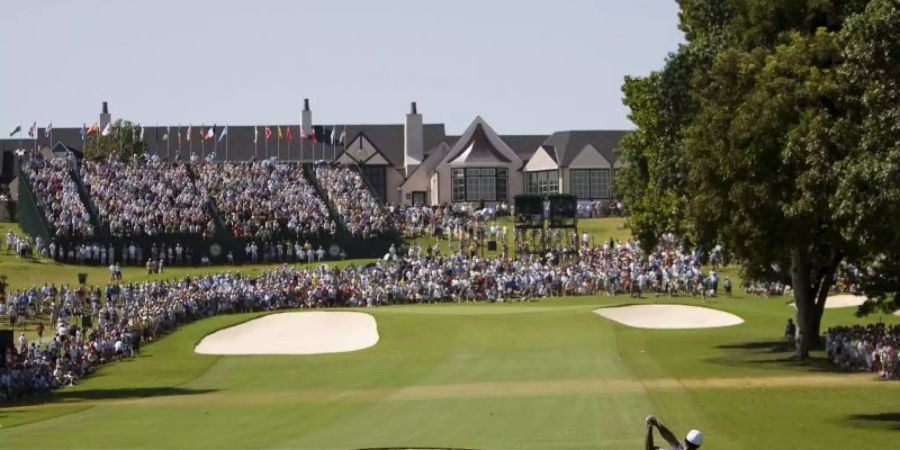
(772,354)
(64,395)
(885,420)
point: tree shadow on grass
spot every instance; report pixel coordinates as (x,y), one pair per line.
(771,354)
(124,393)
(885,420)
(73,396)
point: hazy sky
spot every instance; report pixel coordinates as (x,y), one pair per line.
(525,66)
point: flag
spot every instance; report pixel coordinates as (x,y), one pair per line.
(93,129)
(48,129)
(202,133)
(178,133)
(188,137)
(255,134)
(289,134)
(223,133)
(268,133)
(84,132)
(32,129)
(166,135)
(279,133)
(333,131)
(142,134)
(343,135)
(107,129)
(133,133)
(303,135)
(210,133)
(17,129)
(314,137)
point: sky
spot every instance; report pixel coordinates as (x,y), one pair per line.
(526,67)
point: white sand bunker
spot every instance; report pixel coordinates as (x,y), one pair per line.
(299,333)
(669,316)
(844,301)
(841,301)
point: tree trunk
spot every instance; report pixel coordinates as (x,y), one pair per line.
(810,294)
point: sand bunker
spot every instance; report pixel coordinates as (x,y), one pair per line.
(669,316)
(298,333)
(841,301)
(844,301)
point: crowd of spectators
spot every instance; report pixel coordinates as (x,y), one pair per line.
(146,197)
(265,199)
(870,348)
(362,213)
(128,314)
(56,194)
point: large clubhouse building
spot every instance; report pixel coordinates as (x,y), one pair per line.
(411,163)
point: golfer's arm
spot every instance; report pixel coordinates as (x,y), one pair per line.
(648,441)
(667,435)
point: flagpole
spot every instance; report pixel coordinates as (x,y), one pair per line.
(278,144)
(267,143)
(255,143)
(226,142)
(202,143)
(168,146)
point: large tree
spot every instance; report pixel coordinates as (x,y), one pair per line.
(769,149)
(123,139)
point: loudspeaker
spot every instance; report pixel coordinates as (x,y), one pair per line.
(82,278)
(6,339)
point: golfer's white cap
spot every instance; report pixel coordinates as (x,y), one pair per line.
(694,437)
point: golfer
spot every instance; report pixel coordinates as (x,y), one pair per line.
(691,442)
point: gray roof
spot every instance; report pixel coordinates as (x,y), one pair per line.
(524,144)
(564,146)
(388,139)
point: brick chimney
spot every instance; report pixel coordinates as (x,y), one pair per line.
(105,117)
(413,140)
(306,118)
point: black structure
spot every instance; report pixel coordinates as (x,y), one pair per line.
(563,211)
(529,211)
(530,237)
(6,339)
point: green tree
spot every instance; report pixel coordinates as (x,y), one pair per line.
(123,139)
(766,150)
(869,196)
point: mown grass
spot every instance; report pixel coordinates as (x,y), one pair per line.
(546,374)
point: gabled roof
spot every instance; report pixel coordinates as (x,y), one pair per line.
(564,146)
(479,149)
(389,138)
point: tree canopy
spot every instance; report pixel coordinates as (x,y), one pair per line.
(124,139)
(772,130)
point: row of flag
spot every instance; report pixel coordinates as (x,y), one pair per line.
(204,135)
(32,130)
